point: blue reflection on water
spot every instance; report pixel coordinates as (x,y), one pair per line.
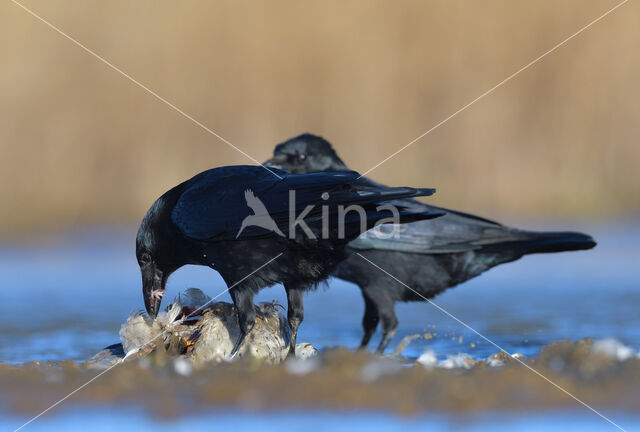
(96,421)
(67,299)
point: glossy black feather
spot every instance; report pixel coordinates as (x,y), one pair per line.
(213,205)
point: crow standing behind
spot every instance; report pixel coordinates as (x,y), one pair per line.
(200,222)
(429,256)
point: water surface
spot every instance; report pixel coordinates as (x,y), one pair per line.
(66,299)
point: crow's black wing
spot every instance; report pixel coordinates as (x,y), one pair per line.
(451,233)
(454,232)
(213,204)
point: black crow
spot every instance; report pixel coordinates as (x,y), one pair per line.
(429,256)
(245,222)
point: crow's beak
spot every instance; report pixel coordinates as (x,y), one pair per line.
(276,161)
(152,289)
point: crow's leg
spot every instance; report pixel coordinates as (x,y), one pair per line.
(389,322)
(370,319)
(295,314)
(243,301)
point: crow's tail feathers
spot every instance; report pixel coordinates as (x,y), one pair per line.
(547,242)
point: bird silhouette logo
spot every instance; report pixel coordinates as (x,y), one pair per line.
(260,216)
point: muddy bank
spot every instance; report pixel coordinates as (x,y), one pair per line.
(339,380)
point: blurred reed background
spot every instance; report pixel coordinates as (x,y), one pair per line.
(82,145)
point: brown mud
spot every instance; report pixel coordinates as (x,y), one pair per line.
(335,380)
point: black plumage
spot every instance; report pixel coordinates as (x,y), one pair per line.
(203,221)
(428,256)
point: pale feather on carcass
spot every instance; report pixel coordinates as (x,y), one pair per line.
(202,331)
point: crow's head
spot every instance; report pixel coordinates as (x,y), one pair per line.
(156,254)
(304,154)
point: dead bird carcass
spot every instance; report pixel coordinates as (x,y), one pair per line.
(200,331)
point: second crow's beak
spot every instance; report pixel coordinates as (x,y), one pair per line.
(276,161)
(152,289)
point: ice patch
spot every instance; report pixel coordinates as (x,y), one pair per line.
(182,366)
(428,359)
(612,348)
(457,361)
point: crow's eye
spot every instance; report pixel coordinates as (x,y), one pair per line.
(302,156)
(145,258)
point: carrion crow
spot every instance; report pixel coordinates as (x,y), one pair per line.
(429,256)
(244,222)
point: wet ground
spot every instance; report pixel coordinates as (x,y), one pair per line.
(65,300)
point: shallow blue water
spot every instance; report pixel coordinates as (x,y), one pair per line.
(66,299)
(123,420)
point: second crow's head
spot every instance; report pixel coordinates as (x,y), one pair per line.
(304,154)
